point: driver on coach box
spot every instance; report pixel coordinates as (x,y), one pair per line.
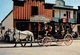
(46,29)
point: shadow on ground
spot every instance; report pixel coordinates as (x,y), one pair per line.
(19,46)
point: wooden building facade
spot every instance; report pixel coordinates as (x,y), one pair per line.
(31,8)
(23,10)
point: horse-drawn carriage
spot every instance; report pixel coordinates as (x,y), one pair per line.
(60,32)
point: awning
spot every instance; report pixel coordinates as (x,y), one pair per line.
(39,18)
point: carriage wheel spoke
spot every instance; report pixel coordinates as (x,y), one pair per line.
(46,41)
(68,39)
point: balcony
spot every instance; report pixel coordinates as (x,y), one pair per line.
(72,20)
(56,19)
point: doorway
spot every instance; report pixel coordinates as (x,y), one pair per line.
(34,29)
(34,10)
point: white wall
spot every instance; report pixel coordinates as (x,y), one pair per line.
(75,28)
(56,13)
(71,14)
(8,22)
(62,13)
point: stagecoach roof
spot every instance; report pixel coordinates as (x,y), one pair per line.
(38,18)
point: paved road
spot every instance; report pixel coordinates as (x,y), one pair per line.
(74,49)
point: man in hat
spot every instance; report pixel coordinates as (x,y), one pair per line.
(45,28)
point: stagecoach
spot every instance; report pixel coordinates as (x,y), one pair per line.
(61,32)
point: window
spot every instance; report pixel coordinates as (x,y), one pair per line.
(68,14)
(3,28)
(53,13)
(64,14)
(78,29)
(34,10)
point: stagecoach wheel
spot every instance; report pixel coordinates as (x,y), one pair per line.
(68,39)
(59,41)
(46,41)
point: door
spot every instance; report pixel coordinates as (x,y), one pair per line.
(34,28)
(21,25)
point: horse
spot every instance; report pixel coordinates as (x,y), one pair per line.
(23,35)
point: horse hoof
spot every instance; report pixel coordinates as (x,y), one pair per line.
(30,45)
(14,45)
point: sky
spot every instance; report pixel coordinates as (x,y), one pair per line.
(7,5)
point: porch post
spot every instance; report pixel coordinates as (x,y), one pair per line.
(59,13)
(68,15)
(76,16)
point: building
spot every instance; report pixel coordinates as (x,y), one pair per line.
(65,12)
(7,22)
(78,20)
(0,32)
(31,14)
(23,10)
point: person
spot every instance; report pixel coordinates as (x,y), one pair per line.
(45,29)
(49,30)
(56,29)
(7,33)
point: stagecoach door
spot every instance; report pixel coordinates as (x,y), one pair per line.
(34,29)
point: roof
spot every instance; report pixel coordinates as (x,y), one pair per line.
(65,8)
(7,16)
(48,5)
(0,24)
(51,6)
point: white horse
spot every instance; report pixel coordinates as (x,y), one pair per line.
(21,35)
